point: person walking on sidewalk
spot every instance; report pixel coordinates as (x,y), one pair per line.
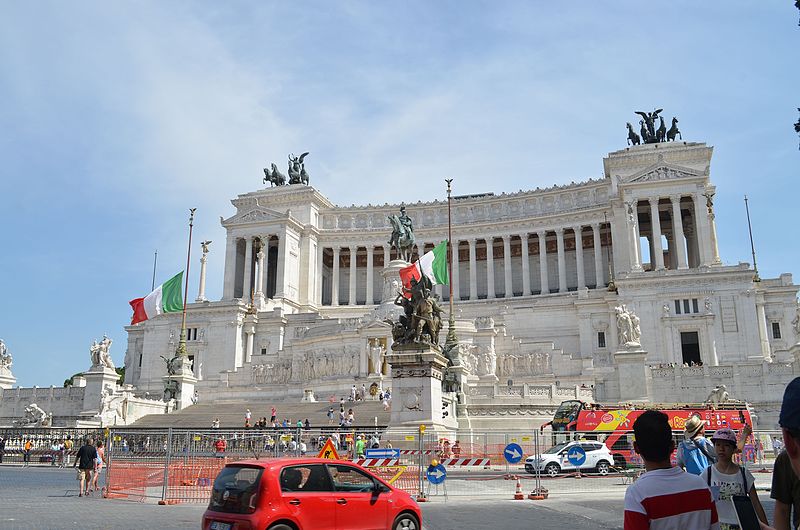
(85,462)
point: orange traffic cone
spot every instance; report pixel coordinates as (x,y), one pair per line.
(518,495)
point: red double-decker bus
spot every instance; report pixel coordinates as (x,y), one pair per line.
(613,424)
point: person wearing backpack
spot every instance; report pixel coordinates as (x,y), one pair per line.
(726,479)
(695,453)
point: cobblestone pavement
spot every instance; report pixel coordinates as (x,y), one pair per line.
(44,497)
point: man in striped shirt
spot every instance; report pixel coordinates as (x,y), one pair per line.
(665,497)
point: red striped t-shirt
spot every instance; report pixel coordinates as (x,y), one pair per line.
(667,499)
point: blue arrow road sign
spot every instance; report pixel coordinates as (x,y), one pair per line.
(576,455)
(383,453)
(436,475)
(513,453)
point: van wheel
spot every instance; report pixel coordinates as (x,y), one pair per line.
(602,467)
(405,521)
(552,469)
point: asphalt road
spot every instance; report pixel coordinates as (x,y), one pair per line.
(46,498)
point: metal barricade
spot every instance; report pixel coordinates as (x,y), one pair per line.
(179,465)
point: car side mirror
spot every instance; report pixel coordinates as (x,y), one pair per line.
(380,488)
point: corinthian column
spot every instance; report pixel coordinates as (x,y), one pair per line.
(351,298)
(456,265)
(543,261)
(201,292)
(526,266)
(258,299)
(562,262)
(490,292)
(655,224)
(633,223)
(578,231)
(473,271)
(677,229)
(248,268)
(598,256)
(370,286)
(509,288)
(335,276)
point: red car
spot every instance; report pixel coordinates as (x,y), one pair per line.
(306,494)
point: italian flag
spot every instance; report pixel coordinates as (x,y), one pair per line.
(165,299)
(433,264)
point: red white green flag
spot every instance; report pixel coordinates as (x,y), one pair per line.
(433,264)
(165,299)
(406,274)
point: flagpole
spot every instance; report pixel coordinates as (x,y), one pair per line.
(182,344)
(155,260)
(756,278)
(451,341)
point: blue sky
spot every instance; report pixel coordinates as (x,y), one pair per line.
(119,116)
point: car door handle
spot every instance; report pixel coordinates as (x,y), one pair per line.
(296,502)
(341,501)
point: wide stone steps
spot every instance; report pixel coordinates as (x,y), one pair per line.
(231,414)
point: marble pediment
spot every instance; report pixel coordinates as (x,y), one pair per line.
(256,215)
(663,172)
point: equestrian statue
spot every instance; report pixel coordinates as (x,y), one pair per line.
(402,234)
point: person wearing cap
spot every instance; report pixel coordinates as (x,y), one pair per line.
(785,481)
(726,479)
(695,453)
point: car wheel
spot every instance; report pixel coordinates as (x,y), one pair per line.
(552,469)
(281,527)
(602,467)
(406,521)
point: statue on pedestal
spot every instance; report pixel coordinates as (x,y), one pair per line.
(422,318)
(34,416)
(628,330)
(402,234)
(648,133)
(297,169)
(375,359)
(99,353)
(5,358)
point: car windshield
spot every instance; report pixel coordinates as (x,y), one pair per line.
(235,488)
(555,449)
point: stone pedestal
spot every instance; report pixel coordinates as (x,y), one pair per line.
(186,381)
(634,375)
(459,374)
(391,280)
(417,372)
(7,379)
(97,379)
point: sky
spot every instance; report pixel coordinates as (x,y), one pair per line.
(117,117)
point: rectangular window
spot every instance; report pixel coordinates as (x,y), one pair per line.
(601,339)
(263,351)
(140,360)
(776,330)
(694,306)
(690,347)
(686,306)
(677,307)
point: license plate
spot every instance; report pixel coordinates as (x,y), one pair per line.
(216,525)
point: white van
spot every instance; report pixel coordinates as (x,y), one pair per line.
(555,460)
